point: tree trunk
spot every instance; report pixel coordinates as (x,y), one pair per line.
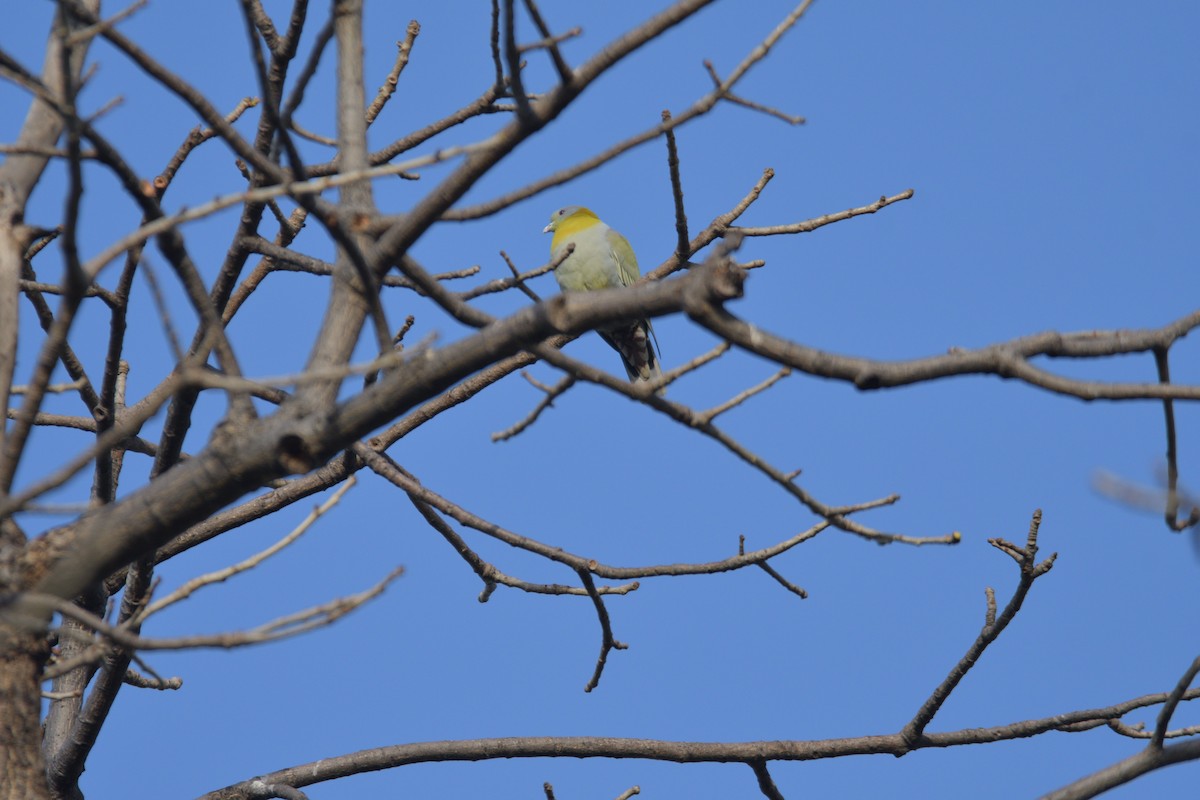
(22,771)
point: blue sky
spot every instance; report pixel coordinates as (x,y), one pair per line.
(1052,153)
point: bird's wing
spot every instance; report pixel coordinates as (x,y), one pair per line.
(627,266)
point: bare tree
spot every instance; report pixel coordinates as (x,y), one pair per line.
(284,438)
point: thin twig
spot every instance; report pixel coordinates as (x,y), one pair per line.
(164,315)
(262,194)
(1171,512)
(1031,569)
(809,225)
(51,388)
(715,229)
(389,86)
(283,627)
(672,375)
(607,641)
(512,56)
(385,467)
(220,576)
(196,137)
(791,119)
(550,42)
(708,416)
(1139,731)
(138,681)
(546,402)
(1168,709)
(765,784)
(699,108)
(83,34)
(682,251)
(784,582)
(645,394)
(518,278)
(490,575)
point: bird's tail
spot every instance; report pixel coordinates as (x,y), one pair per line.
(636,345)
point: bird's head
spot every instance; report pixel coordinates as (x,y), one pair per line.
(573,216)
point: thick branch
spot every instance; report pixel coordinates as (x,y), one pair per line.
(679,752)
(1006,360)
(296,442)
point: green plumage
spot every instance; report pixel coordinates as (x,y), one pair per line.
(603,259)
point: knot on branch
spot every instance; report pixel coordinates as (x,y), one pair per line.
(11,204)
(558,312)
(715,282)
(295,456)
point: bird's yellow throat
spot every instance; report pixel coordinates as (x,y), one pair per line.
(576,223)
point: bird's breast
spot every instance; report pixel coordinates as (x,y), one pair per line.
(591,265)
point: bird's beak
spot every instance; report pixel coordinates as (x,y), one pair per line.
(548,228)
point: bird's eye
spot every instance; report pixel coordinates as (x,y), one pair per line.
(562,211)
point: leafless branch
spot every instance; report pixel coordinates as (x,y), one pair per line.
(549,41)
(91,31)
(791,119)
(195,138)
(386,468)
(700,107)
(280,790)
(809,225)
(690,418)
(1139,731)
(47,152)
(705,417)
(283,259)
(765,784)
(1171,512)
(164,315)
(546,402)
(607,642)
(305,133)
(31,287)
(1031,569)
(332,768)
(139,681)
(329,428)
(672,375)
(493,577)
(127,427)
(518,278)
(281,628)
(682,251)
(1168,709)
(1007,360)
(386,91)
(136,444)
(261,194)
(220,576)
(767,568)
(1124,771)
(52,388)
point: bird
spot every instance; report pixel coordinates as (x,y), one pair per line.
(603,259)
